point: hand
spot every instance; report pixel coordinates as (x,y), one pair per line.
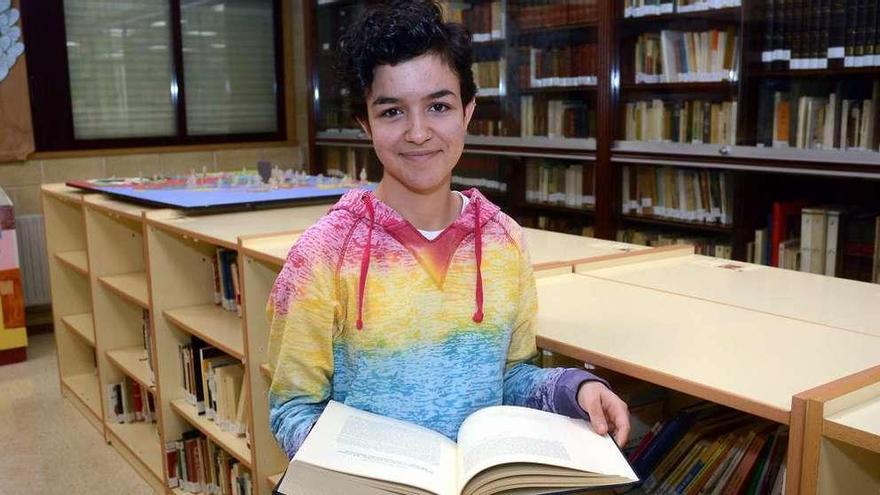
(604,406)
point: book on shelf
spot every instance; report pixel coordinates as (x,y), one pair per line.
(555,14)
(645,8)
(499,448)
(815,34)
(709,449)
(837,241)
(195,464)
(560,67)
(718,247)
(688,121)
(488,75)
(820,122)
(678,193)
(486,21)
(557,223)
(556,118)
(687,56)
(130,402)
(212,383)
(480,172)
(554,183)
(227,292)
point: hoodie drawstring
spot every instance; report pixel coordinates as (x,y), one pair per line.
(478,251)
(365,262)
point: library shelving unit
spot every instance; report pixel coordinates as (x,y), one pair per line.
(263,257)
(71,298)
(180,251)
(742,131)
(843,426)
(749,360)
(115,246)
(835,302)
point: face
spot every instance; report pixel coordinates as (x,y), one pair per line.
(417,122)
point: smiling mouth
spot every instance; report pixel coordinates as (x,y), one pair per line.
(420,155)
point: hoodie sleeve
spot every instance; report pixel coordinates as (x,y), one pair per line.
(526,384)
(302,311)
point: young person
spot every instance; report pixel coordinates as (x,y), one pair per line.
(414,301)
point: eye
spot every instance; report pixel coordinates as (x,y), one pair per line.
(391,112)
(439,107)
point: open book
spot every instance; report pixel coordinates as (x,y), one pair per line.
(501,449)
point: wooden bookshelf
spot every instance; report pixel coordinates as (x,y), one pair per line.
(133,362)
(69,280)
(130,286)
(82,325)
(841,451)
(213,324)
(833,302)
(235,445)
(139,443)
(263,258)
(75,260)
(85,389)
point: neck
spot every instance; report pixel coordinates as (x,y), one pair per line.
(430,210)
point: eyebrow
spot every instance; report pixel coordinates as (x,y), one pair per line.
(387,100)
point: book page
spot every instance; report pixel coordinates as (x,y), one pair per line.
(506,434)
(352,441)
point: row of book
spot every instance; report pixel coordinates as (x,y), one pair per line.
(679,121)
(487,75)
(213,383)
(696,195)
(197,465)
(130,402)
(809,34)
(644,8)
(687,56)
(813,122)
(569,66)
(551,183)
(832,240)
(482,173)
(718,247)
(565,224)
(555,13)
(227,286)
(485,21)
(487,127)
(709,449)
(556,118)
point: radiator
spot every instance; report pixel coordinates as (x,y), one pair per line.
(33,259)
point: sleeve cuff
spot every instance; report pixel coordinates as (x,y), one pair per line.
(567,386)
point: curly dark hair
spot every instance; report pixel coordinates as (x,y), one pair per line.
(395,32)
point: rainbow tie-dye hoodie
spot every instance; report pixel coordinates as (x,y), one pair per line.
(368,312)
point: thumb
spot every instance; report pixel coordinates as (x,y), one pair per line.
(597,416)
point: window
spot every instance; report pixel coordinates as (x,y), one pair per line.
(121,73)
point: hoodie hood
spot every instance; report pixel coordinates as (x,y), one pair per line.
(435,255)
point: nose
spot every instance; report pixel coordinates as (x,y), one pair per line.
(419,131)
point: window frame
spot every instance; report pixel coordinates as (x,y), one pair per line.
(50,95)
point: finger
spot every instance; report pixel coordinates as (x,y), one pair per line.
(618,415)
(597,415)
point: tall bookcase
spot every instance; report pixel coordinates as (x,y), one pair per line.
(708,82)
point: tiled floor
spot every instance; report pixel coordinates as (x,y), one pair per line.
(46,445)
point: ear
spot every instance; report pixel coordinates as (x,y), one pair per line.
(365,125)
(469,111)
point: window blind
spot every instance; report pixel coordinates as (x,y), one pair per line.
(120,66)
(229,66)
